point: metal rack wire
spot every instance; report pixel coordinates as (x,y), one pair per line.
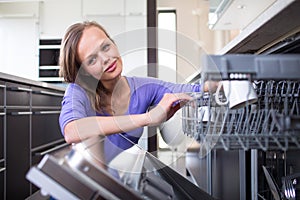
(273,122)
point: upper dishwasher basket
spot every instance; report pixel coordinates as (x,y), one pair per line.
(273,122)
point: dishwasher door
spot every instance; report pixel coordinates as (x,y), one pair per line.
(98,169)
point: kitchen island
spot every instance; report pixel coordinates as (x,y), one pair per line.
(29,112)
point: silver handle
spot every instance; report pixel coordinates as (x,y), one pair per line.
(21,113)
(49,93)
(51,149)
(2,169)
(2,113)
(2,86)
(20,89)
(47,112)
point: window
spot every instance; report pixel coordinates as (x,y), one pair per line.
(167,45)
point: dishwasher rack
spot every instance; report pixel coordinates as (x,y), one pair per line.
(273,122)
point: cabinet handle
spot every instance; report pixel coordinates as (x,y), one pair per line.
(51,149)
(49,93)
(2,86)
(2,113)
(21,113)
(47,112)
(2,169)
(20,89)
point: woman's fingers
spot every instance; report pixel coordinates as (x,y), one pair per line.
(211,86)
(167,107)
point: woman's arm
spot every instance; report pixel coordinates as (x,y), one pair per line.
(80,129)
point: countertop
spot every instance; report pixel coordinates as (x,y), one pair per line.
(17,79)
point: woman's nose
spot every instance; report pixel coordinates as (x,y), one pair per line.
(104,58)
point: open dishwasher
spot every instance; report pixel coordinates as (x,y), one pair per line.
(98,169)
(264,133)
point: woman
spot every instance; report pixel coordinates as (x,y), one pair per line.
(99,100)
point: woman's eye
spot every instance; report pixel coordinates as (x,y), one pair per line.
(92,61)
(106,47)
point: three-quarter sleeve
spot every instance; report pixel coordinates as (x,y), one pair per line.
(75,105)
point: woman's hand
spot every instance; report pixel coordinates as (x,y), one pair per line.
(167,107)
(211,86)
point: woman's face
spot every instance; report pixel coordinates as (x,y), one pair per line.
(99,55)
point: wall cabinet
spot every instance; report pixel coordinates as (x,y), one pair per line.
(29,128)
(56,15)
(135,7)
(102,7)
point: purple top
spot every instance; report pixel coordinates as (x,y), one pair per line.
(145,93)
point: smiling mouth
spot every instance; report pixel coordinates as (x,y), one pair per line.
(111,67)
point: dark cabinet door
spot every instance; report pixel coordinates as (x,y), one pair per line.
(46,98)
(18,154)
(2,115)
(2,144)
(17,95)
(2,96)
(2,158)
(2,180)
(45,128)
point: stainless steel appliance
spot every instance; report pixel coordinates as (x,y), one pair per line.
(266,133)
(98,169)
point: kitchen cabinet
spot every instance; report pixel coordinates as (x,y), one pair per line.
(29,112)
(18,153)
(17,95)
(2,139)
(57,15)
(102,7)
(17,125)
(44,98)
(2,142)
(135,7)
(19,46)
(223,14)
(18,38)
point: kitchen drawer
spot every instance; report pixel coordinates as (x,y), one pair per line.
(2,91)
(17,153)
(2,134)
(45,127)
(2,180)
(45,97)
(39,152)
(17,95)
